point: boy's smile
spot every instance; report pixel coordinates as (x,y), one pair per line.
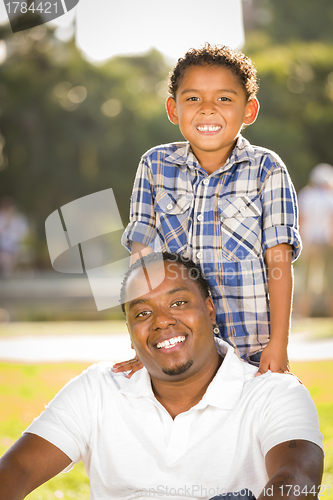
(211,108)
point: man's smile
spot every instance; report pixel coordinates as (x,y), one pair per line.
(169,343)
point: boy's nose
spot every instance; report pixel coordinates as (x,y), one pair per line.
(207,108)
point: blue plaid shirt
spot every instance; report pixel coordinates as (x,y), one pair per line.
(224,221)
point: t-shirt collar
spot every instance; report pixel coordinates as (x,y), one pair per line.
(223,392)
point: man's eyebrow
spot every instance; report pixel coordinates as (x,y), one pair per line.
(229,91)
(178,289)
(134,303)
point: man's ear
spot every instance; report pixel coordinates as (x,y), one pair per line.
(172,110)
(129,334)
(211,309)
(252,110)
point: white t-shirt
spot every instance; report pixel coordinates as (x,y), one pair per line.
(132,448)
(316,210)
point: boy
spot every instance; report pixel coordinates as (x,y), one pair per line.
(228,205)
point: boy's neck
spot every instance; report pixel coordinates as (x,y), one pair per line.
(211,161)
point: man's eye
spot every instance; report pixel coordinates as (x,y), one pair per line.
(178,303)
(142,314)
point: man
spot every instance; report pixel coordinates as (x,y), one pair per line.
(194,423)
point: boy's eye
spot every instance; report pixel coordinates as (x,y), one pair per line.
(193,99)
(226,99)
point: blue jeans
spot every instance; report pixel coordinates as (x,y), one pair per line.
(239,495)
(254,359)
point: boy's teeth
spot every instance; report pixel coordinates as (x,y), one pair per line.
(208,128)
(170,342)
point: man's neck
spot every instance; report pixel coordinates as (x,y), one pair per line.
(181,395)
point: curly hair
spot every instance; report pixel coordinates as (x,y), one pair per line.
(215,55)
(194,272)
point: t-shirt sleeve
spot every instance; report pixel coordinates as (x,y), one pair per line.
(66,421)
(288,414)
(142,225)
(280,210)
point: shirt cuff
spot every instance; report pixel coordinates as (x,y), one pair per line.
(138,232)
(276,235)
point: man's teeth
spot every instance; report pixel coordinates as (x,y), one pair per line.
(208,128)
(170,342)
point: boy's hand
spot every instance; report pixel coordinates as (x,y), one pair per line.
(274,358)
(133,365)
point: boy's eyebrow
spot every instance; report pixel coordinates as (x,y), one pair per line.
(230,91)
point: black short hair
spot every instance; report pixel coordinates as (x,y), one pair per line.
(194,271)
(217,55)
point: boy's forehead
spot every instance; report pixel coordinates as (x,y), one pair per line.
(209,75)
(207,70)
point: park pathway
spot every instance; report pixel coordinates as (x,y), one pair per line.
(116,347)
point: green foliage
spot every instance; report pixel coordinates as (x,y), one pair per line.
(287,20)
(296,95)
(70,128)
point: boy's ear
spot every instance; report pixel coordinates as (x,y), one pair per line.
(252,110)
(172,110)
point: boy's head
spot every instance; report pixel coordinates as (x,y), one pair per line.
(212,98)
(223,56)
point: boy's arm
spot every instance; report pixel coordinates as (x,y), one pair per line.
(295,470)
(138,250)
(280,288)
(30,462)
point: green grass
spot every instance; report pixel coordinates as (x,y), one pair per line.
(25,389)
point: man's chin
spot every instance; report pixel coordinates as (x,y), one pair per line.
(179,369)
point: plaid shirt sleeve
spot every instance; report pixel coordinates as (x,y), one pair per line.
(280,211)
(142,225)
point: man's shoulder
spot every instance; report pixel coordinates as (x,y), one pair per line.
(274,386)
(100,376)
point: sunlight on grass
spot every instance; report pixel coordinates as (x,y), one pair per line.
(25,390)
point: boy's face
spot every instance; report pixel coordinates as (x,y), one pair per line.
(211,108)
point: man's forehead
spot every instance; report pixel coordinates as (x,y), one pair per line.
(146,281)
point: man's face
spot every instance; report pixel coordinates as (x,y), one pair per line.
(211,108)
(171,326)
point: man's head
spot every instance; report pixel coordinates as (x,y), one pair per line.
(212,97)
(171,325)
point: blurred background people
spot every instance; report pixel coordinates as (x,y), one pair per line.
(13,231)
(316,227)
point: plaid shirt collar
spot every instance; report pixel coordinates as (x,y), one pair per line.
(243,151)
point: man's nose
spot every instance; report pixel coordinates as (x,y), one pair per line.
(163,319)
